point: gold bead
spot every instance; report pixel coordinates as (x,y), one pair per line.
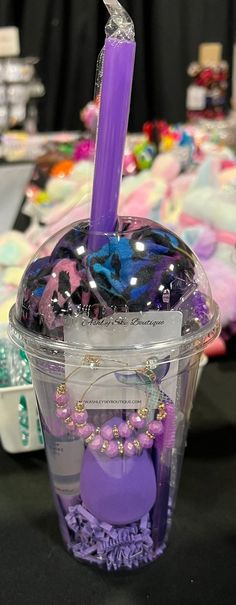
(143,412)
(150,435)
(61,389)
(104,447)
(80,426)
(161,416)
(137,445)
(120,448)
(92,360)
(90,438)
(69,422)
(115,431)
(79,406)
(98,430)
(149,373)
(130,425)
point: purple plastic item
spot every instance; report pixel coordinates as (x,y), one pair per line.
(117,79)
(102,544)
(118,490)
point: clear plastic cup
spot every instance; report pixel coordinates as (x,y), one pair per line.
(114,326)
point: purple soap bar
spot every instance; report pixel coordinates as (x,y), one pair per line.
(119,490)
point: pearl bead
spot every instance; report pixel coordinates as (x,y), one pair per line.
(137,421)
(112,449)
(86,430)
(145,441)
(107,432)
(129,448)
(61,398)
(80,417)
(96,444)
(63,413)
(124,430)
(155,427)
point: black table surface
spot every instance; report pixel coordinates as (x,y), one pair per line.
(199,566)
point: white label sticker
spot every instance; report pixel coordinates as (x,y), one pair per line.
(196,98)
(124,329)
(121,386)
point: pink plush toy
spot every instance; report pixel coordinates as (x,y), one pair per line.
(166,166)
(89,116)
(144,199)
(222,275)
(217,348)
(223,284)
(172,203)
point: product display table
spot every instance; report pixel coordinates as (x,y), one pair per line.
(199,565)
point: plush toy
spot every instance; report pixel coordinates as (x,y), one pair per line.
(12,276)
(5,307)
(166,166)
(89,116)
(222,276)
(142,195)
(15,250)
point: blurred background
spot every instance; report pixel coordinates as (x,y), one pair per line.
(68,35)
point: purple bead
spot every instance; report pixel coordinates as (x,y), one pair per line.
(137,421)
(145,441)
(124,430)
(112,449)
(129,448)
(107,432)
(96,444)
(63,413)
(80,417)
(61,398)
(86,430)
(155,427)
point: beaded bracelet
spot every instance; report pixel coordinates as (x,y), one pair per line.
(119,439)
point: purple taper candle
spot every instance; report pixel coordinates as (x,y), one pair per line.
(117,77)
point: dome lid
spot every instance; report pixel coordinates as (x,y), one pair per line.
(142,268)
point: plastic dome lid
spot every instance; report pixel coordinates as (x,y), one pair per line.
(142,268)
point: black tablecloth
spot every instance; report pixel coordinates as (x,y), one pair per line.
(199,566)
